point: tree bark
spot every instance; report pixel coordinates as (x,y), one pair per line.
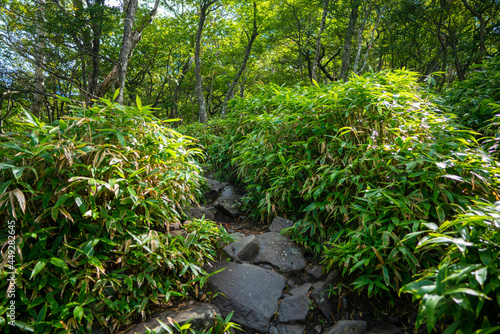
(126,47)
(39,83)
(314,74)
(482,26)
(361,29)
(177,89)
(255,33)
(346,52)
(202,107)
(365,60)
(112,76)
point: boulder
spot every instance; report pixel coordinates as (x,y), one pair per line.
(214,189)
(243,249)
(294,308)
(279,251)
(201,315)
(229,191)
(228,205)
(301,290)
(279,224)
(250,291)
(347,327)
(291,329)
(197,212)
(315,271)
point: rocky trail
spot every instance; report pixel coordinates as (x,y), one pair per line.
(272,286)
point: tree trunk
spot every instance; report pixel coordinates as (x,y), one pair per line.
(314,74)
(346,52)
(202,107)
(252,38)
(365,60)
(96,44)
(361,29)
(177,89)
(126,47)
(482,26)
(39,83)
(112,76)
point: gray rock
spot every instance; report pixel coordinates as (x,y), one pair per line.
(301,290)
(273,330)
(202,316)
(243,249)
(279,251)
(291,329)
(332,275)
(197,212)
(315,271)
(386,329)
(228,205)
(279,224)
(230,191)
(320,296)
(317,328)
(318,285)
(248,290)
(294,308)
(347,327)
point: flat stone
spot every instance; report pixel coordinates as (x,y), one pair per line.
(301,290)
(214,189)
(197,212)
(279,251)
(279,224)
(274,330)
(315,271)
(243,249)
(228,205)
(294,308)
(248,290)
(347,327)
(201,316)
(291,329)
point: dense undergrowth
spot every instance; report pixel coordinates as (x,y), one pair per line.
(87,204)
(372,171)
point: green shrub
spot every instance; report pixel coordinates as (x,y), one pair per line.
(462,293)
(363,167)
(93,198)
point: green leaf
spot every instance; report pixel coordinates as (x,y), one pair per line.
(38,267)
(78,313)
(481,275)
(431,304)
(24,326)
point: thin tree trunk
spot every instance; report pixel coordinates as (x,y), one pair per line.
(202,107)
(365,60)
(346,52)
(314,74)
(177,89)
(482,26)
(112,76)
(361,29)
(126,47)
(39,83)
(255,33)
(96,44)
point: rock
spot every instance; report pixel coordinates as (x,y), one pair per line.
(198,213)
(332,275)
(317,328)
(294,308)
(243,249)
(273,330)
(386,329)
(315,271)
(202,316)
(214,189)
(279,224)
(228,205)
(301,290)
(248,290)
(291,329)
(347,327)
(279,251)
(320,296)
(230,191)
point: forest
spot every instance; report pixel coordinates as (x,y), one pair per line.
(373,124)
